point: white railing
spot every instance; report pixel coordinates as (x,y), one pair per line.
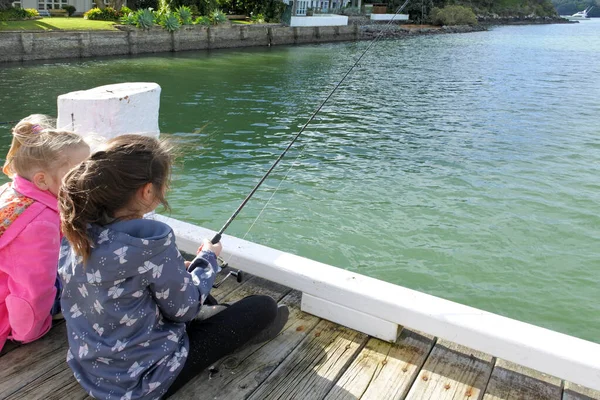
(554,353)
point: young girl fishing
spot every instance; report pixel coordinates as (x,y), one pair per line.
(130,305)
(38,159)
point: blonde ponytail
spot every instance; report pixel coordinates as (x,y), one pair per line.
(36,145)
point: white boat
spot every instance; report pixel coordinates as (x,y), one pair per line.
(581,15)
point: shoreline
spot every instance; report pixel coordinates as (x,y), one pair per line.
(22,46)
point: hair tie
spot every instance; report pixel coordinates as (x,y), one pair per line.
(35,129)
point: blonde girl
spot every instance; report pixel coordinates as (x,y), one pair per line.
(38,159)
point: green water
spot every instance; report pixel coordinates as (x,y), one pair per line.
(465,166)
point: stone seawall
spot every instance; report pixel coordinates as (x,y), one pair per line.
(28,46)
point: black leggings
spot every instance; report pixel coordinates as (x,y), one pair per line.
(220,335)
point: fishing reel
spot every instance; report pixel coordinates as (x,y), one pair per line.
(239,276)
(236,273)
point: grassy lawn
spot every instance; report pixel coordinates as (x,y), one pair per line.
(57,23)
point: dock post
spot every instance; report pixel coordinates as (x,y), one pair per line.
(108,111)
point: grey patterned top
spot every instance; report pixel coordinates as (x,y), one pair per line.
(126,309)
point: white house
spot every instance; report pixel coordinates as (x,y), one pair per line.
(81,6)
(325,6)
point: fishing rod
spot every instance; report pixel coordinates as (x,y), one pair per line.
(217,238)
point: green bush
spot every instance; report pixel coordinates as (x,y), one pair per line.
(128,19)
(69,9)
(32,12)
(125,10)
(453,15)
(185,15)
(170,21)
(258,18)
(108,14)
(217,17)
(205,21)
(351,11)
(13,14)
(144,18)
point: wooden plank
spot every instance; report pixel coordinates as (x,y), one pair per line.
(8,347)
(511,381)
(452,372)
(53,384)
(578,392)
(25,364)
(348,317)
(241,373)
(383,370)
(312,369)
(228,286)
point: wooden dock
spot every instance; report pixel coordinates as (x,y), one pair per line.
(311,359)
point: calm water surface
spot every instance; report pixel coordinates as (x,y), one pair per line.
(465,166)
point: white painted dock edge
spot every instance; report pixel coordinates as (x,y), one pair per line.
(554,353)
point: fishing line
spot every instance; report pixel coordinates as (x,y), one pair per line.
(218,235)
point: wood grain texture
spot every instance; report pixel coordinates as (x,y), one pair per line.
(512,381)
(383,370)
(27,364)
(452,372)
(312,369)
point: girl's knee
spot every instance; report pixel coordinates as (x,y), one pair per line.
(267,308)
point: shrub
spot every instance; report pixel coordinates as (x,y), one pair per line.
(32,12)
(258,18)
(185,15)
(170,21)
(143,18)
(205,21)
(128,19)
(217,17)
(108,14)
(125,10)
(69,9)
(164,6)
(453,15)
(194,10)
(13,14)
(351,11)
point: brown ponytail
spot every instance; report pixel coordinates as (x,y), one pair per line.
(108,181)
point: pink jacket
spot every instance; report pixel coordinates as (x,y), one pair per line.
(29,249)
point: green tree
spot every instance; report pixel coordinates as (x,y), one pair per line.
(4,4)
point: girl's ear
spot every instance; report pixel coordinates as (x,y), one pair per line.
(41,181)
(147,194)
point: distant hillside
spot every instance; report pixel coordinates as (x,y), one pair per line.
(485,8)
(569,7)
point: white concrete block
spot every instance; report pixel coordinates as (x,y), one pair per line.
(320,20)
(111,110)
(353,319)
(389,17)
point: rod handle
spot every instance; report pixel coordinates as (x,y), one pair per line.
(216,239)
